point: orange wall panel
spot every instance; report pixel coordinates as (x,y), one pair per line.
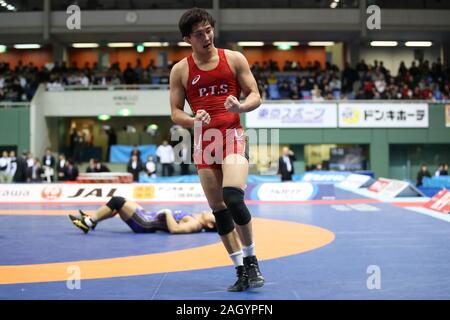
(39,57)
(178,54)
(299,54)
(81,56)
(125,55)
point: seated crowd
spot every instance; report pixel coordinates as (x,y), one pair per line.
(420,81)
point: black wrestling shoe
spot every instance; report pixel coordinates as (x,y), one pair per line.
(255,278)
(79,223)
(242,281)
(84,215)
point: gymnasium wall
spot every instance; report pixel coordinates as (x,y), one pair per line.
(15,127)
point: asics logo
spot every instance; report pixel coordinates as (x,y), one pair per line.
(195,80)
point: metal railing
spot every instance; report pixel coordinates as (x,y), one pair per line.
(110,87)
(8,105)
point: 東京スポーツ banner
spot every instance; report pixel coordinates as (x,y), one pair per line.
(293,115)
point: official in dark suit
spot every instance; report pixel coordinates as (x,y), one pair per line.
(286,164)
(61,168)
(21,170)
(135,167)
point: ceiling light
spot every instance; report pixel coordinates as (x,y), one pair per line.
(384,43)
(27,46)
(418,43)
(286,43)
(85,45)
(156,44)
(250,43)
(320,43)
(121,44)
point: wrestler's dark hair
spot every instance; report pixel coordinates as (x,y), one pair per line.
(207,229)
(191,18)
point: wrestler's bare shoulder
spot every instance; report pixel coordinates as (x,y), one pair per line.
(180,66)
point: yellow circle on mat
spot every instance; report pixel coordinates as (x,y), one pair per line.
(273,239)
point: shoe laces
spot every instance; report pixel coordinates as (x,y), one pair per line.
(240,271)
(252,267)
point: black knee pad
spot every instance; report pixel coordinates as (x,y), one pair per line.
(234,199)
(224,222)
(116,203)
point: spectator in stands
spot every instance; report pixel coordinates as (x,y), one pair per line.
(263,89)
(423,172)
(88,138)
(72,139)
(30,159)
(100,167)
(150,167)
(286,164)
(440,169)
(61,168)
(317,94)
(71,171)
(284,90)
(135,151)
(12,166)
(444,171)
(92,166)
(166,158)
(139,71)
(112,140)
(84,80)
(96,166)
(35,172)
(78,147)
(48,165)
(20,83)
(135,166)
(129,75)
(4,167)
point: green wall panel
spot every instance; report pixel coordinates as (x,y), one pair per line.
(15,127)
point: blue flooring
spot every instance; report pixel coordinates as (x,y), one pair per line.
(410,249)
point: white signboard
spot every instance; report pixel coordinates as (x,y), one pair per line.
(383,115)
(289,191)
(291,115)
(354,181)
(95,193)
(108,102)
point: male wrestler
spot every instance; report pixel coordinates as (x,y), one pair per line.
(211,80)
(142,221)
